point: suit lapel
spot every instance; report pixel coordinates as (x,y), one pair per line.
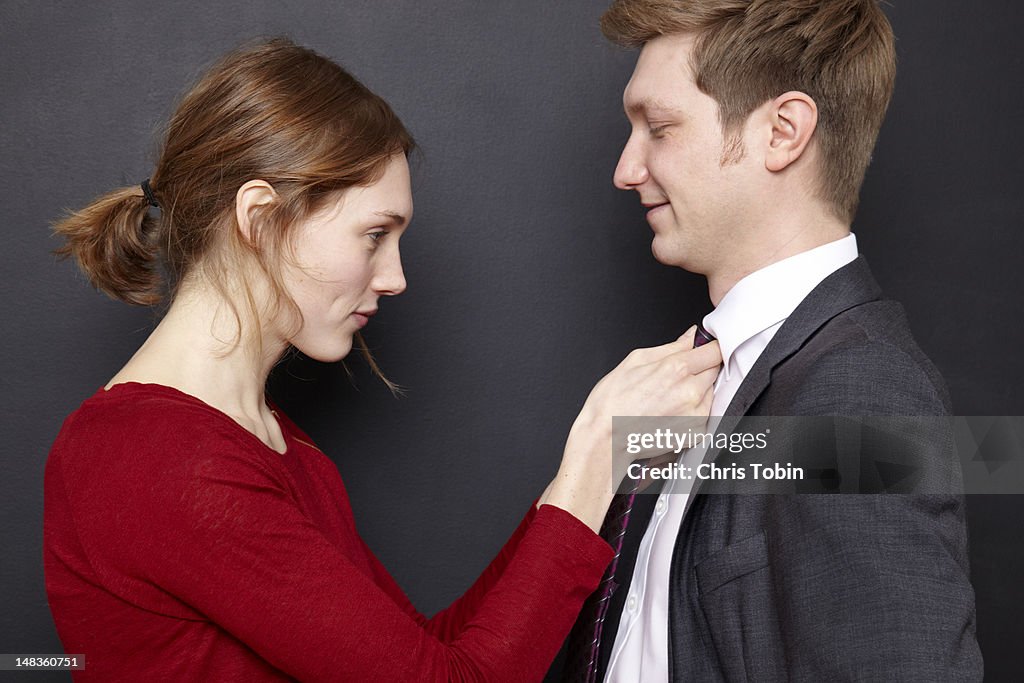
(851,285)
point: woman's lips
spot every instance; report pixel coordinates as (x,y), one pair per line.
(363,317)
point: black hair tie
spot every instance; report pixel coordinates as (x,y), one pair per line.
(148,191)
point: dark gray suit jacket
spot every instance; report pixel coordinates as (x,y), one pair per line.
(824,587)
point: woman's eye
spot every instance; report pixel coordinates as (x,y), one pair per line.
(378,235)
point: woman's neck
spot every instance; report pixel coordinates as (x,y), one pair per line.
(189,350)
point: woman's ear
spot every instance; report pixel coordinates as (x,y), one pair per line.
(250,196)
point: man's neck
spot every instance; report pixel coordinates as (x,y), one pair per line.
(779,245)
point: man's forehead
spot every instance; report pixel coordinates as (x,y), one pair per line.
(652,97)
(662,69)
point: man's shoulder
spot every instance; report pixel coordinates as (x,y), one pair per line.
(864,359)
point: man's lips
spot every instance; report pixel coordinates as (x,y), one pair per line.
(653,206)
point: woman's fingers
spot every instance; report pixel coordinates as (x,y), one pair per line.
(653,354)
(681,382)
(686,338)
(692,394)
(677,384)
(672,379)
(691,361)
(709,394)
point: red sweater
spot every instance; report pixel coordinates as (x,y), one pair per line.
(179,547)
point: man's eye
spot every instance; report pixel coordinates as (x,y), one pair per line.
(656,131)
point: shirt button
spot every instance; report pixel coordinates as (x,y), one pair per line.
(660,507)
(632,603)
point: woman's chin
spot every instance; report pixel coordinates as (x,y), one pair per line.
(326,353)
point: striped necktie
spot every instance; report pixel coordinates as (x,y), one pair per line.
(584,643)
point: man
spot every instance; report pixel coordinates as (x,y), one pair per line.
(753,124)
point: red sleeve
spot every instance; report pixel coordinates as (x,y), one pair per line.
(222,533)
(448,623)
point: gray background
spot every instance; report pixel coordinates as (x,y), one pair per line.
(529,275)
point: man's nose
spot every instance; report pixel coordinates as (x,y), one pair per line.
(631,169)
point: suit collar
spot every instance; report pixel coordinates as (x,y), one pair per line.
(847,287)
(851,285)
(768,296)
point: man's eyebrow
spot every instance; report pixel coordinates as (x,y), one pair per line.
(649,104)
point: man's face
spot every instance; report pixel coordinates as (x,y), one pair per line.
(696,184)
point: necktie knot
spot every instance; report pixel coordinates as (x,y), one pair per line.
(702,336)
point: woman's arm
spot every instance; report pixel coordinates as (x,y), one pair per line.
(223,534)
(674,379)
(684,378)
(449,622)
(220,531)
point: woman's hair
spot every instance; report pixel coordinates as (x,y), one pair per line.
(271,110)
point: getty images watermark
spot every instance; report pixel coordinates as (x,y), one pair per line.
(664,440)
(835,454)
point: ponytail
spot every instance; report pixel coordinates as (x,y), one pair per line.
(115,243)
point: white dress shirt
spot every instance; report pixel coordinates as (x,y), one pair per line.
(745,320)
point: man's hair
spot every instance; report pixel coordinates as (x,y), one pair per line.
(746,52)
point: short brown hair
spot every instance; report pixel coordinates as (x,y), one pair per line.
(268,109)
(840,52)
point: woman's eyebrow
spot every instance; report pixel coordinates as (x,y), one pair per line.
(391,216)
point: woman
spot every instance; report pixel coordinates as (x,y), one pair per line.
(192,531)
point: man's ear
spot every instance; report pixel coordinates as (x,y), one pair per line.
(250,196)
(793,116)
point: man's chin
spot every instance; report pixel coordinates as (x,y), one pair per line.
(665,254)
(675,256)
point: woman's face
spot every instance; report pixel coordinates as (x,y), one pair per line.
(348,258)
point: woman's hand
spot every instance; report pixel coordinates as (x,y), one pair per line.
(670,380)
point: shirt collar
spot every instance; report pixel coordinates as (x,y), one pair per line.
(768,296)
